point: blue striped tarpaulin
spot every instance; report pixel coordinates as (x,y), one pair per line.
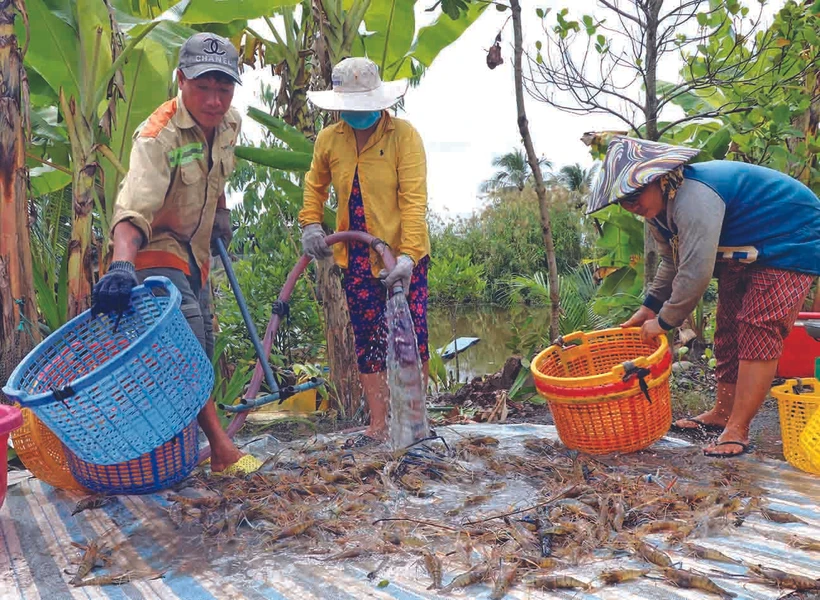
(37,558)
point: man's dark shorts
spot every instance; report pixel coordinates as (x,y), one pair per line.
(196,302)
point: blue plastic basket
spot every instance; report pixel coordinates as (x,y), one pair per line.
(112,389)
(157,470)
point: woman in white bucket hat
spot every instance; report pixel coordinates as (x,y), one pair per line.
(377,165)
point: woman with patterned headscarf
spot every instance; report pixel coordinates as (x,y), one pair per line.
(756,229)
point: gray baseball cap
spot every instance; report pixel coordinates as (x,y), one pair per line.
(205,52)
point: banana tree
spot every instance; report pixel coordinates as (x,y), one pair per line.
(17,309)
(106,64)
(78,50)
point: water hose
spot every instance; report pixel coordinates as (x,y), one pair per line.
(280,308)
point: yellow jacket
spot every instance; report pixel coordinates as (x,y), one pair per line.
(393,178)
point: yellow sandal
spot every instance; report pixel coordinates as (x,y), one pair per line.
(244,466)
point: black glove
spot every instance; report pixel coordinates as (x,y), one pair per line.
(113,291)
(222,228)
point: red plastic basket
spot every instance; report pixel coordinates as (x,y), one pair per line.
(799,350)
(10,419)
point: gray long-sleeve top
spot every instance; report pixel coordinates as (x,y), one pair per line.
(696,217)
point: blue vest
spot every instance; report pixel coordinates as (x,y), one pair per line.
(771,219)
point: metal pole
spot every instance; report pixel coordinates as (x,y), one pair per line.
(246,316)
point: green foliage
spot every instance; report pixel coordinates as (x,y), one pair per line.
(455,279)
(288,135)
(227,390)
(432,39)
(774,126)
(261,276)
(576,295)
(440,379)
(276,158)
(50,234)
(620,258)
(513,173)
(218,11)
(267,244)
(505,238)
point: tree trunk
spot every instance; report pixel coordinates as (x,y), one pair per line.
(532,159)
(85,168)
(18,315)
(341,347)
(652,13)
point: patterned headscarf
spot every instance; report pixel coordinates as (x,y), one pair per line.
(670,184)
(630,164)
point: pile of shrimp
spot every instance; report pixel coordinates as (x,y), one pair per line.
(329,504)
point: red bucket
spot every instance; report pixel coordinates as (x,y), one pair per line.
(10,419)
(799,350)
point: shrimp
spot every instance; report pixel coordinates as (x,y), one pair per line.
(92,501)
(804,543)
(354,552)
(87,563)
(292,531)
(652,554)
(471,577)
(558,582)
(433,565)
(121,578)
(504,582)
(543,526)
(709,554)
(687,579)
(92,552)
(664,526)
(622,575)
(619,514)
(779,516)
(785,580)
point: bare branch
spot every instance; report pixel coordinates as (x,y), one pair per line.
(621,13)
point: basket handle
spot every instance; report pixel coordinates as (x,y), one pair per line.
(156,283)
(153,285)
(567,340)
(799,387)
(637,368)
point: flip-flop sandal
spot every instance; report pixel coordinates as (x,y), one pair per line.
(744,449)
(701,427)
(244,466)
(360,441)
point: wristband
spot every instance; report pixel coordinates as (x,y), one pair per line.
(653,304)
(123,265)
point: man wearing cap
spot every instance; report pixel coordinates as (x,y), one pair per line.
(757,229)
(171,206)
(377,165)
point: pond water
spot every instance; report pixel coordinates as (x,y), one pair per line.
(490,323)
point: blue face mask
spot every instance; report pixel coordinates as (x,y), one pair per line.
(360,120)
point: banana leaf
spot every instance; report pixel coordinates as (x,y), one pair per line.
(282,131)
(276,158)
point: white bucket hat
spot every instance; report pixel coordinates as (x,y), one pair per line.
(358,87)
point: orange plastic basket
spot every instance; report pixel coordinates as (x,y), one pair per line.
(797,401)
(42,453)
(607,390)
